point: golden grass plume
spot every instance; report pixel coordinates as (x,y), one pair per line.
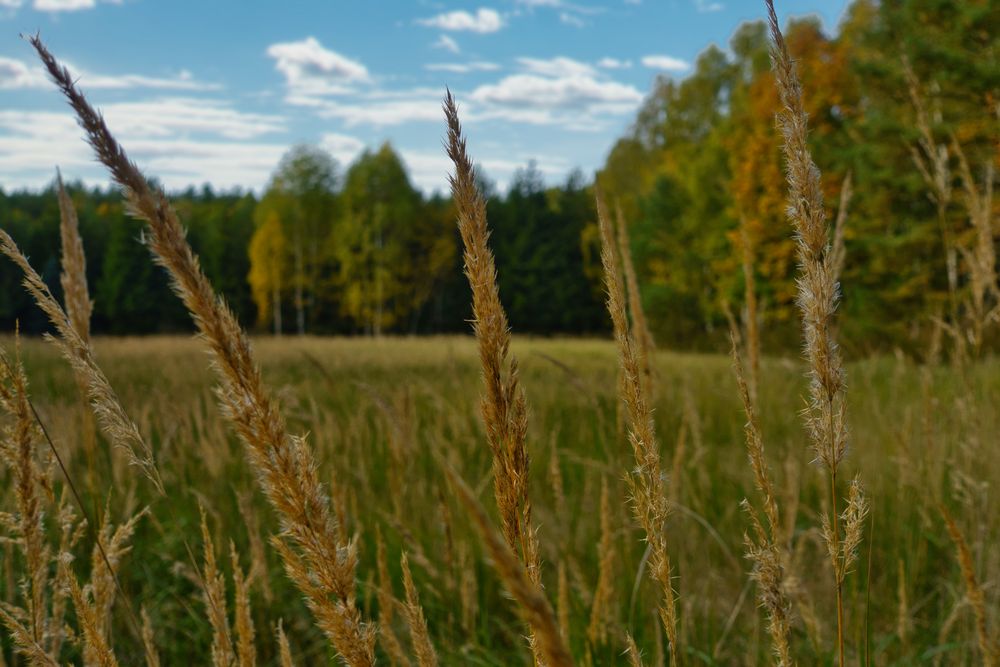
(818,296)
(534,606)
(646,480)
(316,555)
(504,407)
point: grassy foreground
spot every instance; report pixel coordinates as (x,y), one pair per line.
(375,410)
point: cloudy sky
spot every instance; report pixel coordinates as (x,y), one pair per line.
(214,91)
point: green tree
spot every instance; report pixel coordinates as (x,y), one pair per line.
(390,251)
(542,245)
(268,263)
(303,196)
(133,293)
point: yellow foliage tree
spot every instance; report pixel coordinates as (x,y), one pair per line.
(268,259)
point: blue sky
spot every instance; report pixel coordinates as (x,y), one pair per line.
(216,90)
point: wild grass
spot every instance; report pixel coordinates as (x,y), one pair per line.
(165,382)
(818,295)
(645,482)
(504,406)
(394,463)
(316,553)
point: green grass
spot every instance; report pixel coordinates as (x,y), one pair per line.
(919,436)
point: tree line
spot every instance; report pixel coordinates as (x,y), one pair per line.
(904,104)
(322,251)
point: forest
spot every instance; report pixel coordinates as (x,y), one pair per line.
(903,104)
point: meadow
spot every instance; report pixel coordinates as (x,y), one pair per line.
(375,409)
(495,500)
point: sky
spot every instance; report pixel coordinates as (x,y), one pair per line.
(215,91)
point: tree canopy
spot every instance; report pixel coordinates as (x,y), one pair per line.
(904,98)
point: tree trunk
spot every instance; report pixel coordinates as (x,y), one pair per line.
(300,306)
(276,306)
(378,269)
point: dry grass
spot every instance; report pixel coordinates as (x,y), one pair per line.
(645,345)
(213,585)
(285,649)
(473,622)
(751,318)
(390,451)
(246,651)
(548,644)
(422,648)
(989,649)
(646,481)
(115,422)
(74,264)
(29,481)
(504,407)
(764,545)
(601,611)
(818,295)
(321,562)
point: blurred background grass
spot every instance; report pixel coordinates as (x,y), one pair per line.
(375,409)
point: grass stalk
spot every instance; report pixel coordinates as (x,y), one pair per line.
(534,606)
(988,647)
(646,346)
(763,545)
(646,481)
(422,646)
(284,648)
(317,557)
(818,295)
(504,407)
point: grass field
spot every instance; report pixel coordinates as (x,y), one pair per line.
(489,501)
(375,410)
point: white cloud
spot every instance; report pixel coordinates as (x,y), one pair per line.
(708,6)
(582,93)
(429,169)
(377,107)
(168,117)
(559,66)
(32,143)
(343,147)
(180,163)
(447,43)
(560,4)
(183,81)
(483,21)
(19,74)
(462,68)
(405,93)
(614,63)
(10,4)
(668,63)
(381,113)
(60,5)
(558,90)
(572,19)
(569,13)
(63,5)
(311,69)
(38,140)
(158,117)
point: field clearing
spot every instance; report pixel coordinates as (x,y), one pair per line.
(542,501)
(375,410)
